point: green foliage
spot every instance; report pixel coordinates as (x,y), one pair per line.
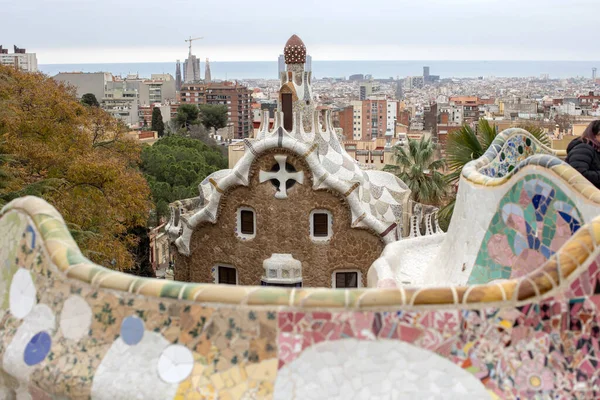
(213,116)
(417,167)
(537,132)
(174,167)
(187,115)
(157,122)
(89,99)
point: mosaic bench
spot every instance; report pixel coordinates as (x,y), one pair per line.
(72,329)
(516,206)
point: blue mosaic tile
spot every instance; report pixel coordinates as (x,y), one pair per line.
(37,349)
(132,330)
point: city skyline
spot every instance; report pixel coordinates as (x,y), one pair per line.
(402,30)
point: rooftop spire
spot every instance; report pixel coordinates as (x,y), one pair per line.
(294,51)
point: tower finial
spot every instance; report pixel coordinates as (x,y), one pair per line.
(294,51)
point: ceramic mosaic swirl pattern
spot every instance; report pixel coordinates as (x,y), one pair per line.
(516,149)
(534,219)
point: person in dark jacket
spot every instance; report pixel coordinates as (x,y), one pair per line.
(583,153)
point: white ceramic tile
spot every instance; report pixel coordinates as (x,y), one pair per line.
(22,293)
(75,318)
(175,363)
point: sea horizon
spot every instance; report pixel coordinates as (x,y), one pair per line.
(383,69)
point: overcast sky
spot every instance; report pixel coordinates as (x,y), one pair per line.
(92,31)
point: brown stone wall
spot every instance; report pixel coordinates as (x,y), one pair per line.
(282,226)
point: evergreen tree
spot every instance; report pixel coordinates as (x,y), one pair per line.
(213,116)
(174,167)
(157,122)
(187,115)
(89,99)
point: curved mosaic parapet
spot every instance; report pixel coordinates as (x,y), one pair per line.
(512,150)
(508,223)
(73,329)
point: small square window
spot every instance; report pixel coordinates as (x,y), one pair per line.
(247,222)
(346,279)
(227,275)
(320,225)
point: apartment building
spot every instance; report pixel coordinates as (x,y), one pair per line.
(368,119)
(378,117)
(161,89)
(235,97)
(19,59)
(123,97)
(86,82)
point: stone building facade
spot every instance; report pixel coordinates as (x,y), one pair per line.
(295,210)
(283,226)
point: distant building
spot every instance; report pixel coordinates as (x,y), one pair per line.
(430,118)
(308,63)
(427,77)
(86,82)
(356,77)
(20,59)
(345,118)
(123,97)
(594,70)
(178,80)
(399,90)
(207,77)
(161,89)
(413,82)
(378,117)
(191,69)
(365,90)
(280,65)
(235,97)
(514,108)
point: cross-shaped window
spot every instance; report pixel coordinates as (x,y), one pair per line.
(282,175)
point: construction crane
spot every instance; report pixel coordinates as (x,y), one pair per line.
(191,40)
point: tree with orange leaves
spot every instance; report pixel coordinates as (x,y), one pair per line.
(76,157)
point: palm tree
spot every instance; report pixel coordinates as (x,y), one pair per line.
(467,144)
(416,166)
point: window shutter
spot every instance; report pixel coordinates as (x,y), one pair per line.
(346,280)
(351,279)
(247,222)
(340,280)
(227,275)
(320,225)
